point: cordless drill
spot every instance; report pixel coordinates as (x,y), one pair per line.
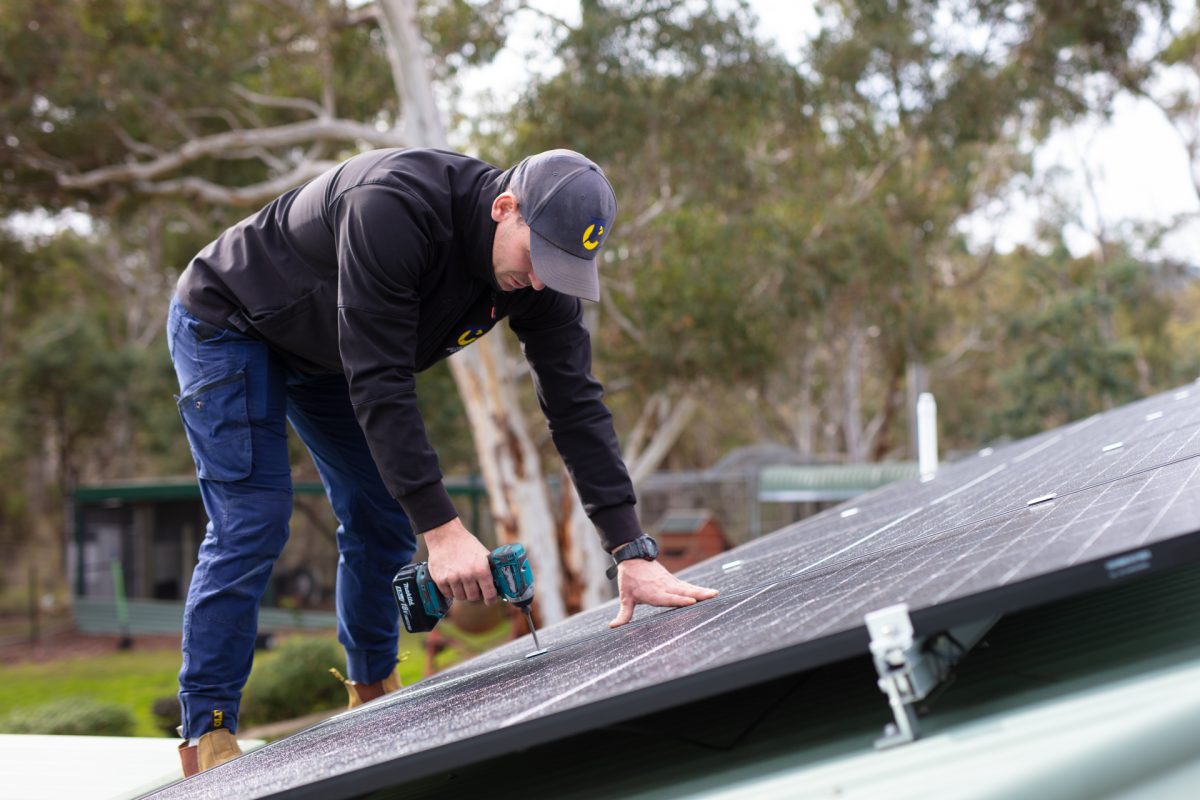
(422,605)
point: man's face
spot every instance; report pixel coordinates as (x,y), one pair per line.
(510,249)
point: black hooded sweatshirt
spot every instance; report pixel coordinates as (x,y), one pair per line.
(380,268)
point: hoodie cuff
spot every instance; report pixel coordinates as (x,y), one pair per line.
(618,525)
(428,507)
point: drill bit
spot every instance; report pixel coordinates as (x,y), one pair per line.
(533,630)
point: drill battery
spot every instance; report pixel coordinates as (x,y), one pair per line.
(421,604)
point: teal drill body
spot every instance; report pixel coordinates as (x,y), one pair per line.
(422,605)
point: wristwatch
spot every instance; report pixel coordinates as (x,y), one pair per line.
(641,547)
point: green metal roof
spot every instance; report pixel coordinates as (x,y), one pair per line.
(825,482)
(683,521)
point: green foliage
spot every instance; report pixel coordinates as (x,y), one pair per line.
(65,379)
(167,714)
(292,681)
(1066,338)
(81,80)
(462,33)
(85,382)
(70,717)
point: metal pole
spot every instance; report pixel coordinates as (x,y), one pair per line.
(927,449)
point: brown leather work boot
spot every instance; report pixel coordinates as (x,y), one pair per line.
(365,692)
(215,747)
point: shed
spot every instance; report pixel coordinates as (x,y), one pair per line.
(133,548)
(687,537)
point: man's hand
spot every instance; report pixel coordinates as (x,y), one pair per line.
(641,581)
(458,563)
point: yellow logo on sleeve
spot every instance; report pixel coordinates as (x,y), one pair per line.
(469,336)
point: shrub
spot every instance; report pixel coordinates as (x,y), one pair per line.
(167,714)
(292,681)
(70,717)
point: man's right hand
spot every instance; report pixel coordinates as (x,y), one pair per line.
(458,563)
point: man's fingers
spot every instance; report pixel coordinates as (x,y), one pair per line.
(681,595)
(489,591)
(471,590)
(649,583)
(666,599)
(625,614)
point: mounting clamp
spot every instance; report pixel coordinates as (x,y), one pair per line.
(911,667)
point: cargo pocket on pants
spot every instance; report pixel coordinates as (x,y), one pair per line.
(218,428)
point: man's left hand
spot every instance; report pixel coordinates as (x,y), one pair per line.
(641,581)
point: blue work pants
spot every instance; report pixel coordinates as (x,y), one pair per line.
(235,395)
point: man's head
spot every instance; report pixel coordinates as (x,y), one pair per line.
(551,223)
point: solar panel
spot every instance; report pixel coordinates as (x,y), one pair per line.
(1103,499)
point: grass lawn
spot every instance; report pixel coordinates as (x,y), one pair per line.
(133,679)
(136,678)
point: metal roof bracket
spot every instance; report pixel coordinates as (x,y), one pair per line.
(911,667)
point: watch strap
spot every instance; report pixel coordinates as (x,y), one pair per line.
(642,547)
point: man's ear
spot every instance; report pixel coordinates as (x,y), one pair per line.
(504,205)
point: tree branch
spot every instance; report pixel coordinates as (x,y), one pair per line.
(664,438)
(221,144)
(637,437)
(272,101)
(623,322)
(252,195)
(131,144)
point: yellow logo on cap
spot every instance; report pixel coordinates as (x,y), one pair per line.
(588,242)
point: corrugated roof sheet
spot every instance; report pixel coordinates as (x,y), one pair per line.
(829,481)
(687,521)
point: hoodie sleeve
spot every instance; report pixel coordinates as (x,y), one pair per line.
(559,350)
(383,243)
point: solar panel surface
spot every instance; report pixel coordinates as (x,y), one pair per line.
(1124,500)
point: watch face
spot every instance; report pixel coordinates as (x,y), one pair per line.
(650,546)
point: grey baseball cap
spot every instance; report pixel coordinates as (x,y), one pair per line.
(569,206)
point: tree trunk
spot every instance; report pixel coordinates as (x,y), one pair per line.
(510,465)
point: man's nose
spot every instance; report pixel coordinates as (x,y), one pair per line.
(536,282)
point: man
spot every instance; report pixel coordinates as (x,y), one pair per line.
(319,310)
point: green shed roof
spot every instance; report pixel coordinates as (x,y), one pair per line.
(685,521)
(825,482)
